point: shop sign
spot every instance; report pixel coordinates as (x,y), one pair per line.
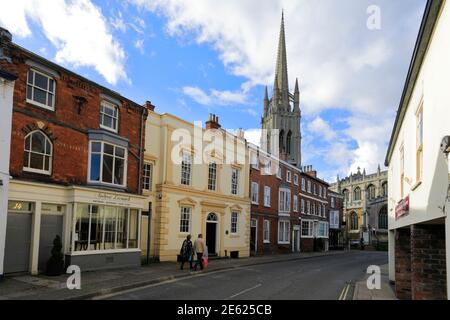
(402,208)
(112,199)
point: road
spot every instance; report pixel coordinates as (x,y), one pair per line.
(321,278)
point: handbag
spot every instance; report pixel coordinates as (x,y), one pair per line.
(205,262)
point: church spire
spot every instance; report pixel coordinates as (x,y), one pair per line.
(281,73)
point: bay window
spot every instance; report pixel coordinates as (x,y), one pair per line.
(107,164)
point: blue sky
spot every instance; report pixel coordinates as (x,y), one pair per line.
(191,58)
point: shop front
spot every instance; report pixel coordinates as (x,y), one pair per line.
(99,229)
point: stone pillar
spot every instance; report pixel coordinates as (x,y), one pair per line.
(403,264)
(35,237)
(428,261)
(391,253)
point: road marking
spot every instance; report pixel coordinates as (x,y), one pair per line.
(344,292)
(245,291)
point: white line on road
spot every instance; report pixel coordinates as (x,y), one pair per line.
(245,291)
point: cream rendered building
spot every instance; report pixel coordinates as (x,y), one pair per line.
(194,196)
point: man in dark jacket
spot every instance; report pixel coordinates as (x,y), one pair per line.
(186,252)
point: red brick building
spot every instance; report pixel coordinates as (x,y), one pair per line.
(274,193)
(313,211)
(76,163)
(336,220)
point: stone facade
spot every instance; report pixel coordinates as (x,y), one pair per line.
(365,206)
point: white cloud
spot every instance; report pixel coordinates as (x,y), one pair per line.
(339,61)
(215,97)
(321,128)
(139,44)
(253,136)
(77,29)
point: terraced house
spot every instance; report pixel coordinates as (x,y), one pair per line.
(76,157)
(196,179)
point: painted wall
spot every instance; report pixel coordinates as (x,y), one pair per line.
(6,98)
(427,197)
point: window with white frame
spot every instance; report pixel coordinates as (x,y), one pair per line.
(267,191)
(308,207)
(279,172)
(324,210)
(324,192)
(109,116)
(303,184)
(255,160)
(284,228)
(147,176)
(212,176)
(334,219)
(333,202)
(108,163)
(234,222)
(185,219)
(186,169)
(302,205)
(320,191)
(285,200)
(307,228)
(315,189)
(267,167)
(295,203)
(309,186)
(322,230)
(234,181)
(296,179)
(255,193)
(38,153)
(266,231)
(319,209)
(41,89)
(288,176)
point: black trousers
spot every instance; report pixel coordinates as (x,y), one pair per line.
(199,260)
(184,260)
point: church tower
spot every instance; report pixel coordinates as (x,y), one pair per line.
(281,119)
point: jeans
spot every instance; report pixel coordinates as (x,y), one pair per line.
(199,260)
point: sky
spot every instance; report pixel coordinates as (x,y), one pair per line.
(195,57)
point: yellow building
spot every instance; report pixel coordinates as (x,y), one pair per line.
(196,180)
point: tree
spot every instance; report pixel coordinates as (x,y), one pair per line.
(55,265)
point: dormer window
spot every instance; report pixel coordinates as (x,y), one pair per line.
(41,90)
(109,116)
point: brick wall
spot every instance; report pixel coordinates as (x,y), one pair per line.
(428,262)
(403,264)
(307,244)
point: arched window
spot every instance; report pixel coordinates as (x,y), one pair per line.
(383,218)
(384,188)
(38,153)
(371,192)
(281,142)
(346,195)
(357,194)
(354,221)
(289,142)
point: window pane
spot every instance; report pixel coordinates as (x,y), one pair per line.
(38,142)
(37,161)
(118,171)
(120,152)
(40,96)
(28,143)
(48,147)
(122,228)
(30,76)
(134,223)
(95,167)
(110,228)
(109,149)
(29,92)
(47,163)
(50,100)
(96,147)
(40,81)
(81,227)
(107,175)
(26,159)
(51,85)
(107,121)
(96,232)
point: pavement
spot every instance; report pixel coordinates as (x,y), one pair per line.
(386,292)
(98,284)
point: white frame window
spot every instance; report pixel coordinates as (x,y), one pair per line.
(109,116)
(46,87)
(186,169)
(284,200)
(279,172)
(185,219)
(267,167)
(307,229)
(288,176)
(309,186)
(235,181)
(255,193)
(147,176)
(315,189)
(333,202)
(38,150)
(308,207)
(266,231)
(212,176)
(103,153)
(296,179)
(302,206)
(320,191)
(322,230)
(295,203)
(267,191)
(303,184)
(334,219)
(255,161)
(234,222)
(284,231)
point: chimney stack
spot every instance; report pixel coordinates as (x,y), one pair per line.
(5,37)
(148,105)
(213,122)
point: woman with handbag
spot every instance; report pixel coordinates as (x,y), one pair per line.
(186,252)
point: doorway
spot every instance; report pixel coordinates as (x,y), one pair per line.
(211,234)
(296,240)
(253,235)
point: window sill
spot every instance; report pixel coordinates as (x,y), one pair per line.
(284,242)
(266,206)
(416,186)
(109,129)
(42,172)
(266,242)
(40,105)
(255,203)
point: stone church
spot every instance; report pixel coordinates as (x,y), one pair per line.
(281,135)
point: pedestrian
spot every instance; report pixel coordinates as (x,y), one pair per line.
(186,252)
(362,243)
(199,247)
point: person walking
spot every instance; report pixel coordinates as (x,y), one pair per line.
(199,247)
(186,252)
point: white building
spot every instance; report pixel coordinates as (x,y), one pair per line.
(418,174)
(6,103)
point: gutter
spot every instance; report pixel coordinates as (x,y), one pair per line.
(427,26)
